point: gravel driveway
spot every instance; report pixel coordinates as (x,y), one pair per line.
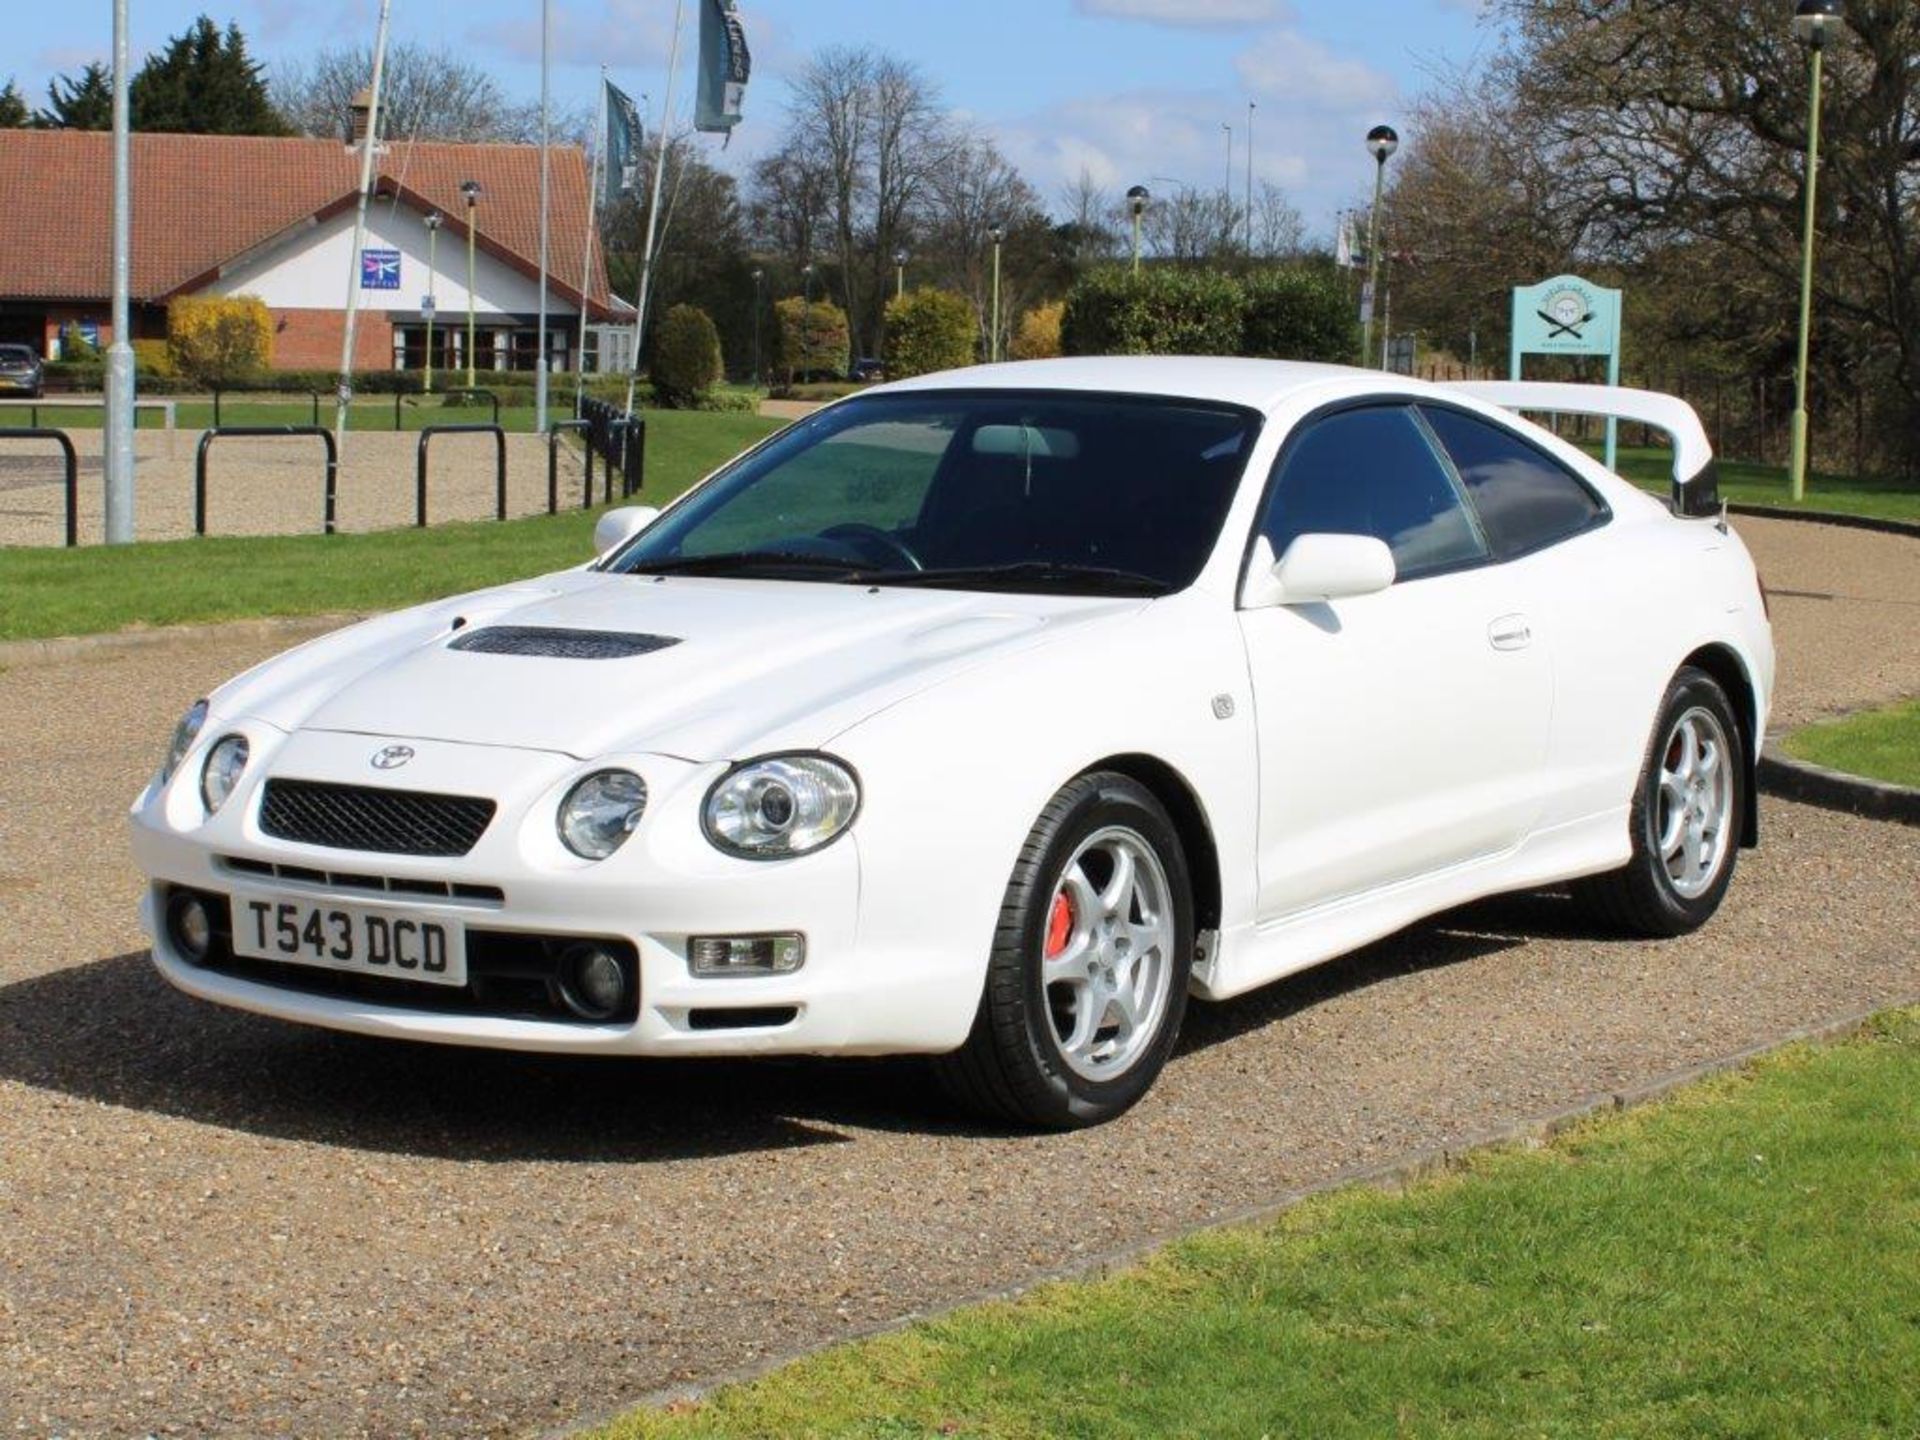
(214,1224)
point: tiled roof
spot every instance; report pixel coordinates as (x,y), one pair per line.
(201,200)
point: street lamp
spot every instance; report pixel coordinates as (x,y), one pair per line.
(1812,20)
(1382,141)
(900,258)
(806,320)
(759,279)
(471,189)
(997,233)
(434,221)
(1227,130)
(1138,199)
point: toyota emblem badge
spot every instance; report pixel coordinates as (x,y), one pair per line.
(393,757)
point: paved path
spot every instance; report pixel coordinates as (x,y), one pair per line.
(217,1225)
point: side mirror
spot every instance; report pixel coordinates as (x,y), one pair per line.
(1318,568)
(616,527)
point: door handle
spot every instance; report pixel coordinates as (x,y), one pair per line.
(1510,632)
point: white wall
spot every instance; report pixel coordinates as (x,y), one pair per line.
(310,270)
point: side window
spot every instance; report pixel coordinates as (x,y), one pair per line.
(1525,499)
(1373,472)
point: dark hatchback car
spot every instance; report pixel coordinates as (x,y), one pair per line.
(21,372)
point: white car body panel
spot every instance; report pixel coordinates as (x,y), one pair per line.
(1355,764)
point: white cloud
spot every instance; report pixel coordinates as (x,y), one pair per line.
(1304,73)
(1191,12)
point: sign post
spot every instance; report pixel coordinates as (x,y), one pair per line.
(1569,316)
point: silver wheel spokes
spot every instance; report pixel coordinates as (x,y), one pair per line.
(1105,953)
(1695,802)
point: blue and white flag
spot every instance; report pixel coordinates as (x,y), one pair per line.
(625,140)
(725,67)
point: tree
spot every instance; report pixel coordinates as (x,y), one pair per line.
(426,94)
(203,82)
(13,108)
(686,362)
(82,104)
(215,341)
(810,341)
(927,331)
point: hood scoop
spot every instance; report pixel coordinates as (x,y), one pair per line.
(556,644)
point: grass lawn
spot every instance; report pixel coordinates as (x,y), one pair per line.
(1743,1259)
(1881,744)
(98,588)
(1767,485)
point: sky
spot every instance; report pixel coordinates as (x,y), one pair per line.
(1131,91)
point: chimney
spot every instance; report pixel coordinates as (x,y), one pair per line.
(361,107)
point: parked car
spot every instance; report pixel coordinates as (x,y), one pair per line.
(867,370)
(21,372)
(989,716)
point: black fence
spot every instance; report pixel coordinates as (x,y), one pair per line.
(500,466)
(620,440)
(263,432)
(60,438)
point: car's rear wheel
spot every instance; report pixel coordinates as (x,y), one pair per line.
(1685,819)
(1087,982)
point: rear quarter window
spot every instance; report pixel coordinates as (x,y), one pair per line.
(1526,500)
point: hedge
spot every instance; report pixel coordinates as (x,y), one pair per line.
(929,330)
(1300,312)
(687,363)
(811,345)
(1294,312)
(1038,337)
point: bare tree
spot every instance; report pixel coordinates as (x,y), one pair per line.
(1088,229)
(430,94)
(1279,232)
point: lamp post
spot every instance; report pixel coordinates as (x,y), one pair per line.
(1382,141)
(471,189)
(759,279)
(433,222)
(1226,190)
(806,319)
(1138,198)
(997,233)
(1251,107)
(900,259)
(1812,19)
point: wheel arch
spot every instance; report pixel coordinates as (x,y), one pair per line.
(1724,664)
(1190,821)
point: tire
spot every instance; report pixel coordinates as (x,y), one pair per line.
(1063,951)
(1663,891)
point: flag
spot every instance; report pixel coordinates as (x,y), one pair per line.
(725,66)
(1343,246)
(625,140)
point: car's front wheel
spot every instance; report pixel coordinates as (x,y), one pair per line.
(1685,819)
(1087,982)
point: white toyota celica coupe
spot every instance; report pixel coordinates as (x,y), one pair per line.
(989,715)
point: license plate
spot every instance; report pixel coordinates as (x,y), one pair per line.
(364,939)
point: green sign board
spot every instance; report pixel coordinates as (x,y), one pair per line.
(1568,316)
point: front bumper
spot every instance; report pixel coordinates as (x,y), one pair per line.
(666,885)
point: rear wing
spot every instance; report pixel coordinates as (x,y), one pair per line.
(1696,482)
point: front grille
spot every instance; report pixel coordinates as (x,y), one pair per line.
(375,884)
(560,644)
(360,817)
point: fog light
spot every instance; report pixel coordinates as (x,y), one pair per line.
(746,954)
(190,927)
(593,982)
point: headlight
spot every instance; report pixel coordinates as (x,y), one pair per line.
(781,806)
(601,811)
(220,776)
(184,734)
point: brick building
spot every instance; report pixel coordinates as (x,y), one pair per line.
(228,215)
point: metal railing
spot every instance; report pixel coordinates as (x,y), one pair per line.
(60,438)
(263,432)
(500,466)
(554,432)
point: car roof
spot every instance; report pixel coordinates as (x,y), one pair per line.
(1257,384)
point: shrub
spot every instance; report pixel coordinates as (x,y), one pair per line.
(1156,312)
(1300,312)
(153,360)
(1038,337)
(687,363)
(216,341)
(929,330)
(811,344)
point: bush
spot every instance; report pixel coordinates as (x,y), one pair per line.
(1038,337)
(929,330)
(153,360)
(1156,312)
(1300,312)
(218,342)
(810,345)
(687,363)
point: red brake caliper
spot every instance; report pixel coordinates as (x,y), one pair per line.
(1059,925)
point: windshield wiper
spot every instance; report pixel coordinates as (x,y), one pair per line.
(1048,574)
(728,561)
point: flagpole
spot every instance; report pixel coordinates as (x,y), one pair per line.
(653,207)
(586,258)
(344,395)
(546,187)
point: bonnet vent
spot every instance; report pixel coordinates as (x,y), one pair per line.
(560,644)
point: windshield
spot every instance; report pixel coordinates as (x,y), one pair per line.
(16,355)
(972,490)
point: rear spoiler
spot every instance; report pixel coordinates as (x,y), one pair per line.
(1696,481)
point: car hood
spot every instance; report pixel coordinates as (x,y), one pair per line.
(724,667)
